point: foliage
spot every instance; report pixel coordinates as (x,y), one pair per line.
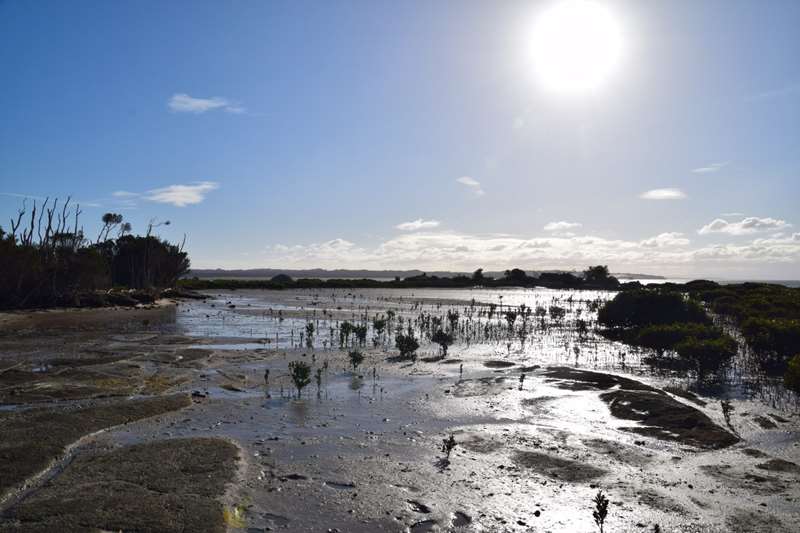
(666,336)
(360,331)
(767,314)
(301,374)
(443,339)
(773,336)
(356,358)
(448,445)
(407,344)
(600,509)
(792,377)
(599,276)
(647,307)
(309,335)
(47,261)
(707,355)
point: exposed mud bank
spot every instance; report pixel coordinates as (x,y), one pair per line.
(167,486)
(661,415)
(32,440)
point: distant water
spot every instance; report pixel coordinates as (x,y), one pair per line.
(786,282)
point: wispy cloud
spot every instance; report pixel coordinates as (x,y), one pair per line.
(745,226)
(663,194)
(181,195)
(418,224)
(472,184)
(733,214)
(665,240)
(561,226)
(710,169)
(177,195)
(183,103)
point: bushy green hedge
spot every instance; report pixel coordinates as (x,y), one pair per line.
(665,320)
(768,316)
(649,307)
(707,355)
(666,336)
(792,377)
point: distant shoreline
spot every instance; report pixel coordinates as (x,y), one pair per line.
(377,275)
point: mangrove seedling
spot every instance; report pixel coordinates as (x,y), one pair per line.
(443,339)
(301,375)
(356,358)
(360,332)
(407,344)
(309,335)
(600,509)
(447,446)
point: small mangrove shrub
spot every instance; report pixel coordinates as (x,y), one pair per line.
(443,339)
(407,344)
(448,445)
(600,509)
(301,375)
(356,358)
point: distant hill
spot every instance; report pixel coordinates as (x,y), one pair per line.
(320,273)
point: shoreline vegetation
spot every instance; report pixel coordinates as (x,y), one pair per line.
(48,260)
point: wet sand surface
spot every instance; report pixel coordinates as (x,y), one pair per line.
(362,451)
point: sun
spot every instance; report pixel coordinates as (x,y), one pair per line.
(576,46)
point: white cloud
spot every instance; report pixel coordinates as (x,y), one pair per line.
(181,195)
(418,224)
(745,226)
(561,226)
(124,194)
(446,250)
(733,214)
(183,103)
(663,194)
(471,184)
(664,240)
(710,169)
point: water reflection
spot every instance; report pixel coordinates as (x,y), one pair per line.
(526,326)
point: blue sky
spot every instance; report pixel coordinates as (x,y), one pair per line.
(412,134)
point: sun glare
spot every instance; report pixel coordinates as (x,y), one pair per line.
(576,45)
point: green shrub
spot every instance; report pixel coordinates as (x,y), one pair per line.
(301,375)
(443,339)
(665,336)
(707,355)
(779,336)
(792,377)
(356,358)
(648,307)
(407,344)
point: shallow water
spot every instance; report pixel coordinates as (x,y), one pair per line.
(262,319)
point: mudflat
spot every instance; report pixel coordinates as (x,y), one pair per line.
(166,423)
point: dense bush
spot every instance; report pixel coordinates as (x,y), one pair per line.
(792,377)
(648,307)
(768,316)
(707,355)
(407,344)
(666,336)
(49,262)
